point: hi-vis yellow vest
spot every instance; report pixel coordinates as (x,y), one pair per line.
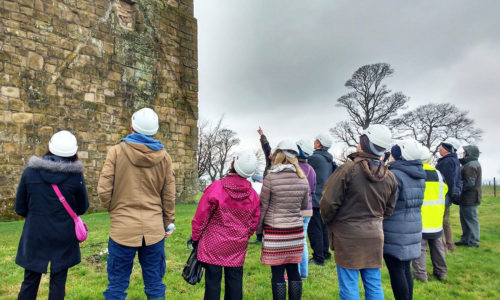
(434,200)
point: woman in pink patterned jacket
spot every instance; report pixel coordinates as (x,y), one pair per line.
(226,217)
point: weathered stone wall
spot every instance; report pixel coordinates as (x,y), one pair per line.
(86,66)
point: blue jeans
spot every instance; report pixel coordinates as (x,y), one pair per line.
(348,283)
(303,266)
(121,261)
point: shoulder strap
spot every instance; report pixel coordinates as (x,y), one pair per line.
(64,202)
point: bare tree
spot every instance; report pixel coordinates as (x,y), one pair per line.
(225,140)
(214,148)
(370,101)
(431,124)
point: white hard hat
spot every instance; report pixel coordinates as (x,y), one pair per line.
(245,163)
(63,143)
(453,142)
(425,153)
(288,147)
(410,149)
(324,139)
(307,146)
(379,135)
(145,121)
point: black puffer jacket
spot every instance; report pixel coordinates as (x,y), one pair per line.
(49,232)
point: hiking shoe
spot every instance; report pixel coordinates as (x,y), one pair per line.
(461,243)
(421,279)
(314,261)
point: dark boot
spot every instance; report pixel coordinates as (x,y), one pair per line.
(279,291)
(294,290)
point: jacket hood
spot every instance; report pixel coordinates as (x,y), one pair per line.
(472,154)
(54,170)
(325,154)
(373,168)
(412,168)
(236,186)
(141,155)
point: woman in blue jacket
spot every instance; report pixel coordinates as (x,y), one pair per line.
(403,230)
(49,231)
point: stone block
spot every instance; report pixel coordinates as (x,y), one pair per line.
(35,61)
(90,97)
(10,91)
(22,118)
(16,105)
(11,148)
(4,103)
(83,154)
(45,131)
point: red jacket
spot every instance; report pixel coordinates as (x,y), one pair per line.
(226,217)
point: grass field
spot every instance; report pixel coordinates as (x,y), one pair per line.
(472,273)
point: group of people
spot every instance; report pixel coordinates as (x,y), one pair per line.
(387,203)
(380,205)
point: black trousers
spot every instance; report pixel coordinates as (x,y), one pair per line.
(401,279)
(317,232)
(57,288)
(233,279)
(278,273)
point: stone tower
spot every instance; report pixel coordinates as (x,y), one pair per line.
(86,66)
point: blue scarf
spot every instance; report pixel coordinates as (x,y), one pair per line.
(137,138)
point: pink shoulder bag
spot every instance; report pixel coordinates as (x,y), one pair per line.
(81,228)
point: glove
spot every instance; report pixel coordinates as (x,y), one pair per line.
(193,244)
(456,199)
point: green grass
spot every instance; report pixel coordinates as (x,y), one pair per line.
(472,273)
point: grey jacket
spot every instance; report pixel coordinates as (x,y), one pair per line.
(323,164)
(403,230)
(283,196)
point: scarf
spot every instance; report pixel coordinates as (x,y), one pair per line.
(137,138)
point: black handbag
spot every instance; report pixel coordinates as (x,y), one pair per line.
(193,269)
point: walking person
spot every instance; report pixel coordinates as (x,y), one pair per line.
(432,222)
(449,166)
(322,162)
(225,219)
(356,198)
(137,187)
(284,194)
(403,229)
(471,197)
(49,231)
(306,148)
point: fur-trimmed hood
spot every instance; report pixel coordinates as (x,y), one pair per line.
(55,170)
(36,162)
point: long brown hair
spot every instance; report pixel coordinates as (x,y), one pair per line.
(281,159)
(71,158)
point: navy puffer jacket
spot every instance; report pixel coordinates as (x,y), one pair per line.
(403,230)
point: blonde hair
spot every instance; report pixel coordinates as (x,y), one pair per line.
(281,159)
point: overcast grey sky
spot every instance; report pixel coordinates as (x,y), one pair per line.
(283,64)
